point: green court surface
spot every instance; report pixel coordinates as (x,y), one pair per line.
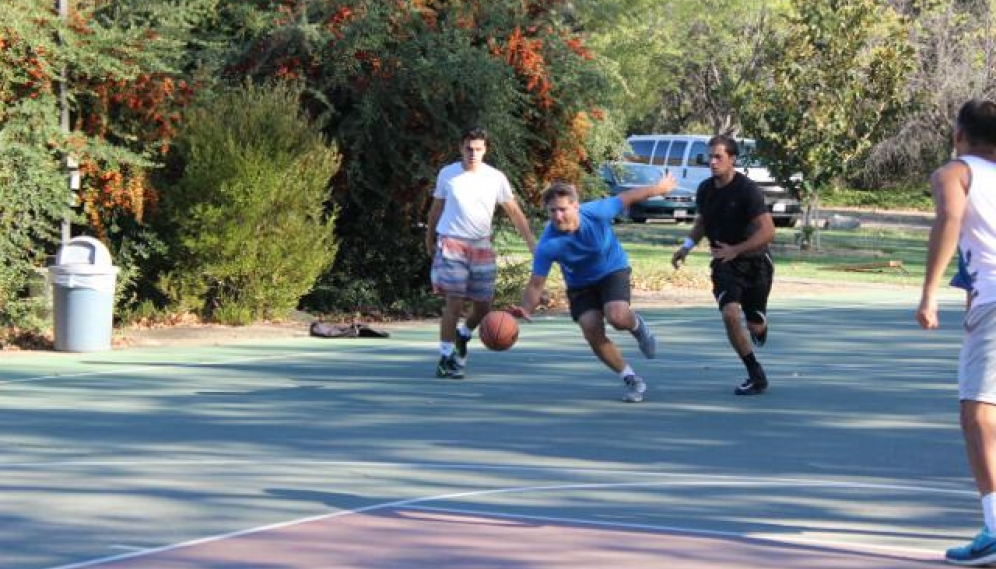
(121,455)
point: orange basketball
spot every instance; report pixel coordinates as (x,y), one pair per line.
(499,330)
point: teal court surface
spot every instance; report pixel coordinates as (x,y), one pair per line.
(318,453)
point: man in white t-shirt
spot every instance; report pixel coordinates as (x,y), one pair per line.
(964,192)
(458,238)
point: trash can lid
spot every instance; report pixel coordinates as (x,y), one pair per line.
(83,250)
(79,269)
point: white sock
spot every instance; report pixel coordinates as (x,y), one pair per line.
(464,331)
(626,372)
(446,348)
(637,326)
(989,511)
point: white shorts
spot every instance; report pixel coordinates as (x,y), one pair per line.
(977,362)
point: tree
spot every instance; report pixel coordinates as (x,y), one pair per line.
(33,195)
(399,81)
(118,58)
(681,63)
(836,83)
(955,61)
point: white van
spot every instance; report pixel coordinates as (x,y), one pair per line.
(686,157)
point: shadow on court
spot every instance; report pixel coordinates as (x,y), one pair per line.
(317,453)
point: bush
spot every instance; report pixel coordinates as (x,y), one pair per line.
(33,202)
(250,233)
(384,72)
(913,196)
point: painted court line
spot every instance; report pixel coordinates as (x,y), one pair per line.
(145,368)
(693,479)
(195,365)
(126,547)
(160,367)
(452,496)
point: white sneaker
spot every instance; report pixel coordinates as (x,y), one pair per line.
(635,388)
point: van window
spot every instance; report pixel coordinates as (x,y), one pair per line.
(641,151)
(699,154)
(677,153)
(660,152)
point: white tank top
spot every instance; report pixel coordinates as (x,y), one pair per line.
(978,231)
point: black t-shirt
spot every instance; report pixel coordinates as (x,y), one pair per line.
(729,212)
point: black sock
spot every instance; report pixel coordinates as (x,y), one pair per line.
(754,369)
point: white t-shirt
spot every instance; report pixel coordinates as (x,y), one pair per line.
(978,231)
(470,200)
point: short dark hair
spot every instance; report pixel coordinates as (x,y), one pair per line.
(559,190)
(474,133)
(728,142)
(977,118)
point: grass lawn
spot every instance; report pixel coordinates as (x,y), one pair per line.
(650,246)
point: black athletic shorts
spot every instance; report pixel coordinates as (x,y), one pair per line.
(746,280)
(615,286)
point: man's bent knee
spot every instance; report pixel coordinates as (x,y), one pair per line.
(618,315)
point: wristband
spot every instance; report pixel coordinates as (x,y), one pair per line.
(688,244)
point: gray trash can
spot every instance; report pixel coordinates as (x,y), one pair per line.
(83,281)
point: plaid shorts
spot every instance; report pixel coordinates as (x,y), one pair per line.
(464,268)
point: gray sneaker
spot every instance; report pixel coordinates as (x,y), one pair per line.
(635,388)
(645,338)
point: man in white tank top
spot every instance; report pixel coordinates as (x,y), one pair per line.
(458,238)
(964,192)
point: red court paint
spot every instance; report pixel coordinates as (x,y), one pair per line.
(414,539)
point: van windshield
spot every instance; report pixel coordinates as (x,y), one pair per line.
(636,174)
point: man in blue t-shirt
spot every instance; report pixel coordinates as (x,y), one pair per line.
(579,237)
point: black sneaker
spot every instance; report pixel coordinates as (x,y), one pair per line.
(751,387)
(760,338)
(460,346)
(448,367)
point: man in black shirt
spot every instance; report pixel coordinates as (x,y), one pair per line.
(733,215)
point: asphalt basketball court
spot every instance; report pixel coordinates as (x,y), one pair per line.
(319,453)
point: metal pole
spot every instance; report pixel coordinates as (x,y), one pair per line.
(63,7)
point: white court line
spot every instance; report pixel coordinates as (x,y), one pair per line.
(139,369)
(159,367)
(127,547)
(194,365)
(386,505)
(235,361)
